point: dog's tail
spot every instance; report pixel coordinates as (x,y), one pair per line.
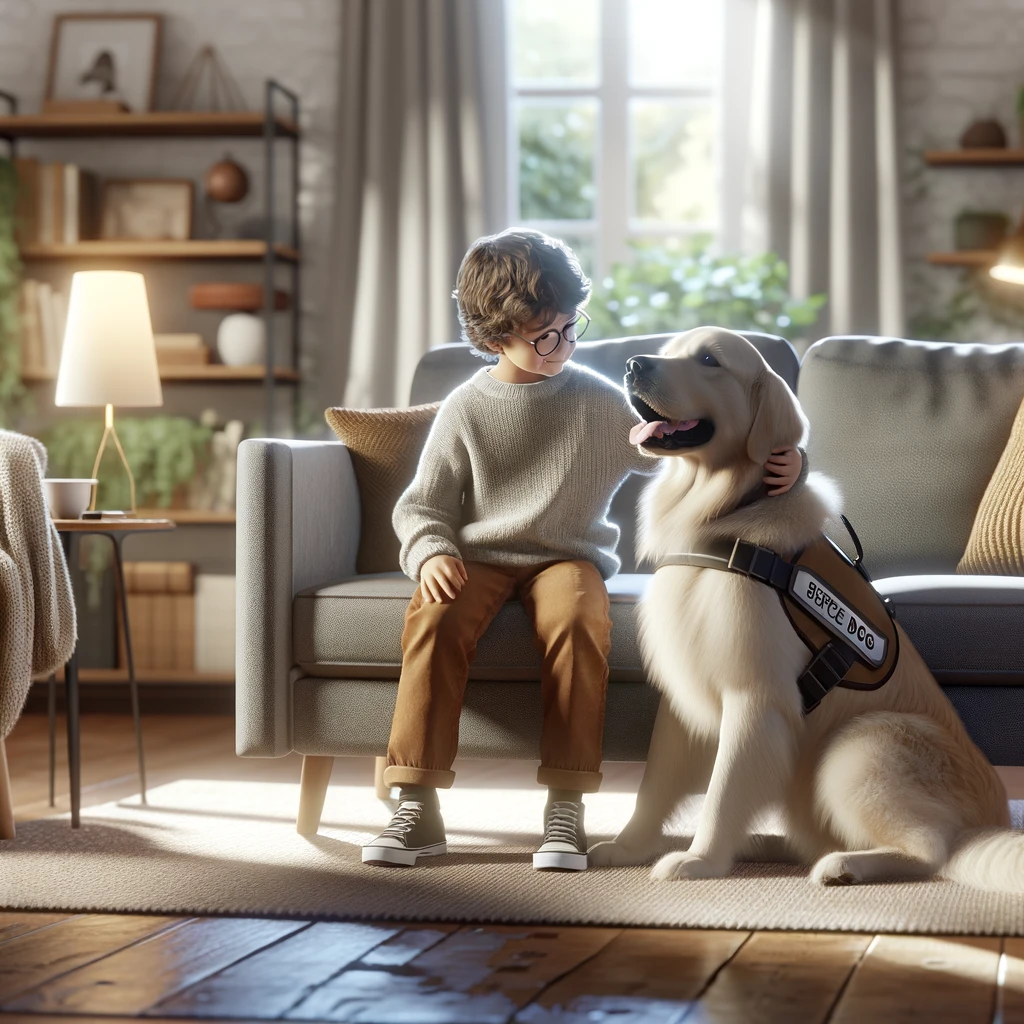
(988,858)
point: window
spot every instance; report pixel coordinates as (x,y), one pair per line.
(612,121)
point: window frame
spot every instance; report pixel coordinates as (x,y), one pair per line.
(614,224)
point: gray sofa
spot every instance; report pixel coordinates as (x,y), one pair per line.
(910,430)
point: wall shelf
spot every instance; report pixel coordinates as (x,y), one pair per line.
(1002,157)
(177,123)
(214,373)
(192,249)
(967,258)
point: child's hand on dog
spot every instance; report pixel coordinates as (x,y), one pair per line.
(443,576)
(784,467)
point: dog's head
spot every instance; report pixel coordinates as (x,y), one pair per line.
(713,398)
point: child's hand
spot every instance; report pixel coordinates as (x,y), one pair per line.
(442,576)
(784,466)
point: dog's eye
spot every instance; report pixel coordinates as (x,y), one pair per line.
(707,359)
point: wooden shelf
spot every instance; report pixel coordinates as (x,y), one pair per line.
(171,123)
(144,675)
(189,516)
(192,249)
(968,258)
(210,372)
(1003,157)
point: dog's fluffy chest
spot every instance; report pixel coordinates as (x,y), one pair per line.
(703,633)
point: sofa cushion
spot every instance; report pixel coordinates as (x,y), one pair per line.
(385,446)
(968,629)
(353,630)
(996,544)
(911,431)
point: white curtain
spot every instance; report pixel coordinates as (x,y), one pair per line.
(810,166)
(410,188)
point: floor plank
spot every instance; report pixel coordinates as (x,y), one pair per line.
(129,982)
(16,922)
(644,976)
(35,958)
(780,977)
(905,978)
(478,975)
(269,983)
(1010,998)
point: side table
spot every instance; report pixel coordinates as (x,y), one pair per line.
(117,530)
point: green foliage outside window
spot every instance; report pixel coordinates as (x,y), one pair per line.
(663,290)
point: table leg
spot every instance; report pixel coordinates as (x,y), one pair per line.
(51,702)
(132,682)
(71,685)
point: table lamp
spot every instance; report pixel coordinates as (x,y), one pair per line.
(109,357)
(1009,265)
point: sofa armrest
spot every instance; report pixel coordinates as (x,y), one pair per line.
(297,527)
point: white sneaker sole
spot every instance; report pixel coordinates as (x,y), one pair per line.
(560,862)
(405,858)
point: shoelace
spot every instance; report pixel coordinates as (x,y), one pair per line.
(404,820)
(562,823)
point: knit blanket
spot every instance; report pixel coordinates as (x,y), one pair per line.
(37,607)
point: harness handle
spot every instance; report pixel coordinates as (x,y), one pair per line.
(856,540)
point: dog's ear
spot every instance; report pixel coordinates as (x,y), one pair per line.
(778,421)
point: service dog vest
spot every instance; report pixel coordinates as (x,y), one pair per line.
(830,602)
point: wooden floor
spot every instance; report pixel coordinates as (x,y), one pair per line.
(106,967)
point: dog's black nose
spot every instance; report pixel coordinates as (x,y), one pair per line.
(636,365)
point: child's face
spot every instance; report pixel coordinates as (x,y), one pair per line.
(541,346)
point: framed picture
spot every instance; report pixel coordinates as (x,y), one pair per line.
(147,209)
(108,57)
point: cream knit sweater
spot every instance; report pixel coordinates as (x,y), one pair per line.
(37,607)
(514,474)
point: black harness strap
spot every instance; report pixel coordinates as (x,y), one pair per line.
(829,666)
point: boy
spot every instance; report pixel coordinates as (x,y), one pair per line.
(511,496)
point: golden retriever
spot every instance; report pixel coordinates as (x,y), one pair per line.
(871,785)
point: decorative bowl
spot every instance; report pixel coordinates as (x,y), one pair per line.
(68,498)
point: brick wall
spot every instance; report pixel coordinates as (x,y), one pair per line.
(960,60)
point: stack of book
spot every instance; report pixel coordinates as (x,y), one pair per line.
(57,203)
(44,313)
(162,613)
(181,350)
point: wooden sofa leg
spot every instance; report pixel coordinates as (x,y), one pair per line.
(383,792)
(316,774)
(6,797)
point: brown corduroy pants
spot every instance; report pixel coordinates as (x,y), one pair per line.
(568,603)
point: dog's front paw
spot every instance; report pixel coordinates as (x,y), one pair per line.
(615,855)
(834,869)
(674,866)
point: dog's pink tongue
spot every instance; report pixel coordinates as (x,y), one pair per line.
(640,432)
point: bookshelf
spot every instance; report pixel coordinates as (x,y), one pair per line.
(193,249)
(157,124)
(1003,157)
(207,372)
(966,258)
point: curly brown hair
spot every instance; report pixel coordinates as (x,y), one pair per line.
(509,279)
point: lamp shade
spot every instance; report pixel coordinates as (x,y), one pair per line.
(109,357)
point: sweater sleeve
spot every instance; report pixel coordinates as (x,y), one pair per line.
(427,515)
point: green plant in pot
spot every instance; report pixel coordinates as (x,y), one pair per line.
(664,290)
(12,390)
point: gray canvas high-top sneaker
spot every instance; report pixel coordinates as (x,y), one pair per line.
(565,840)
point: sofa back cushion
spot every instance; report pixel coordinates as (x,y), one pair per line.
(911,431)
(447,366)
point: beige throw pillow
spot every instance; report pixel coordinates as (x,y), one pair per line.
(385,446)
(996,544)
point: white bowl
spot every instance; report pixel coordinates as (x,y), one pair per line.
(68,498)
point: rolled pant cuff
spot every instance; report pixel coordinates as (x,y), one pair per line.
(402,775)
(563,778)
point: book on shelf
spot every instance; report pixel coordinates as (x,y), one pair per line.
(57,203)
(181,350)
(44,315)
(161,612)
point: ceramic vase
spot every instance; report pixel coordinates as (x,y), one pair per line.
(242,340)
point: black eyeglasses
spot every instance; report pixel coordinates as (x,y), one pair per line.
(550,340)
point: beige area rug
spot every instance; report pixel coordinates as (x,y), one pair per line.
(226,847)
